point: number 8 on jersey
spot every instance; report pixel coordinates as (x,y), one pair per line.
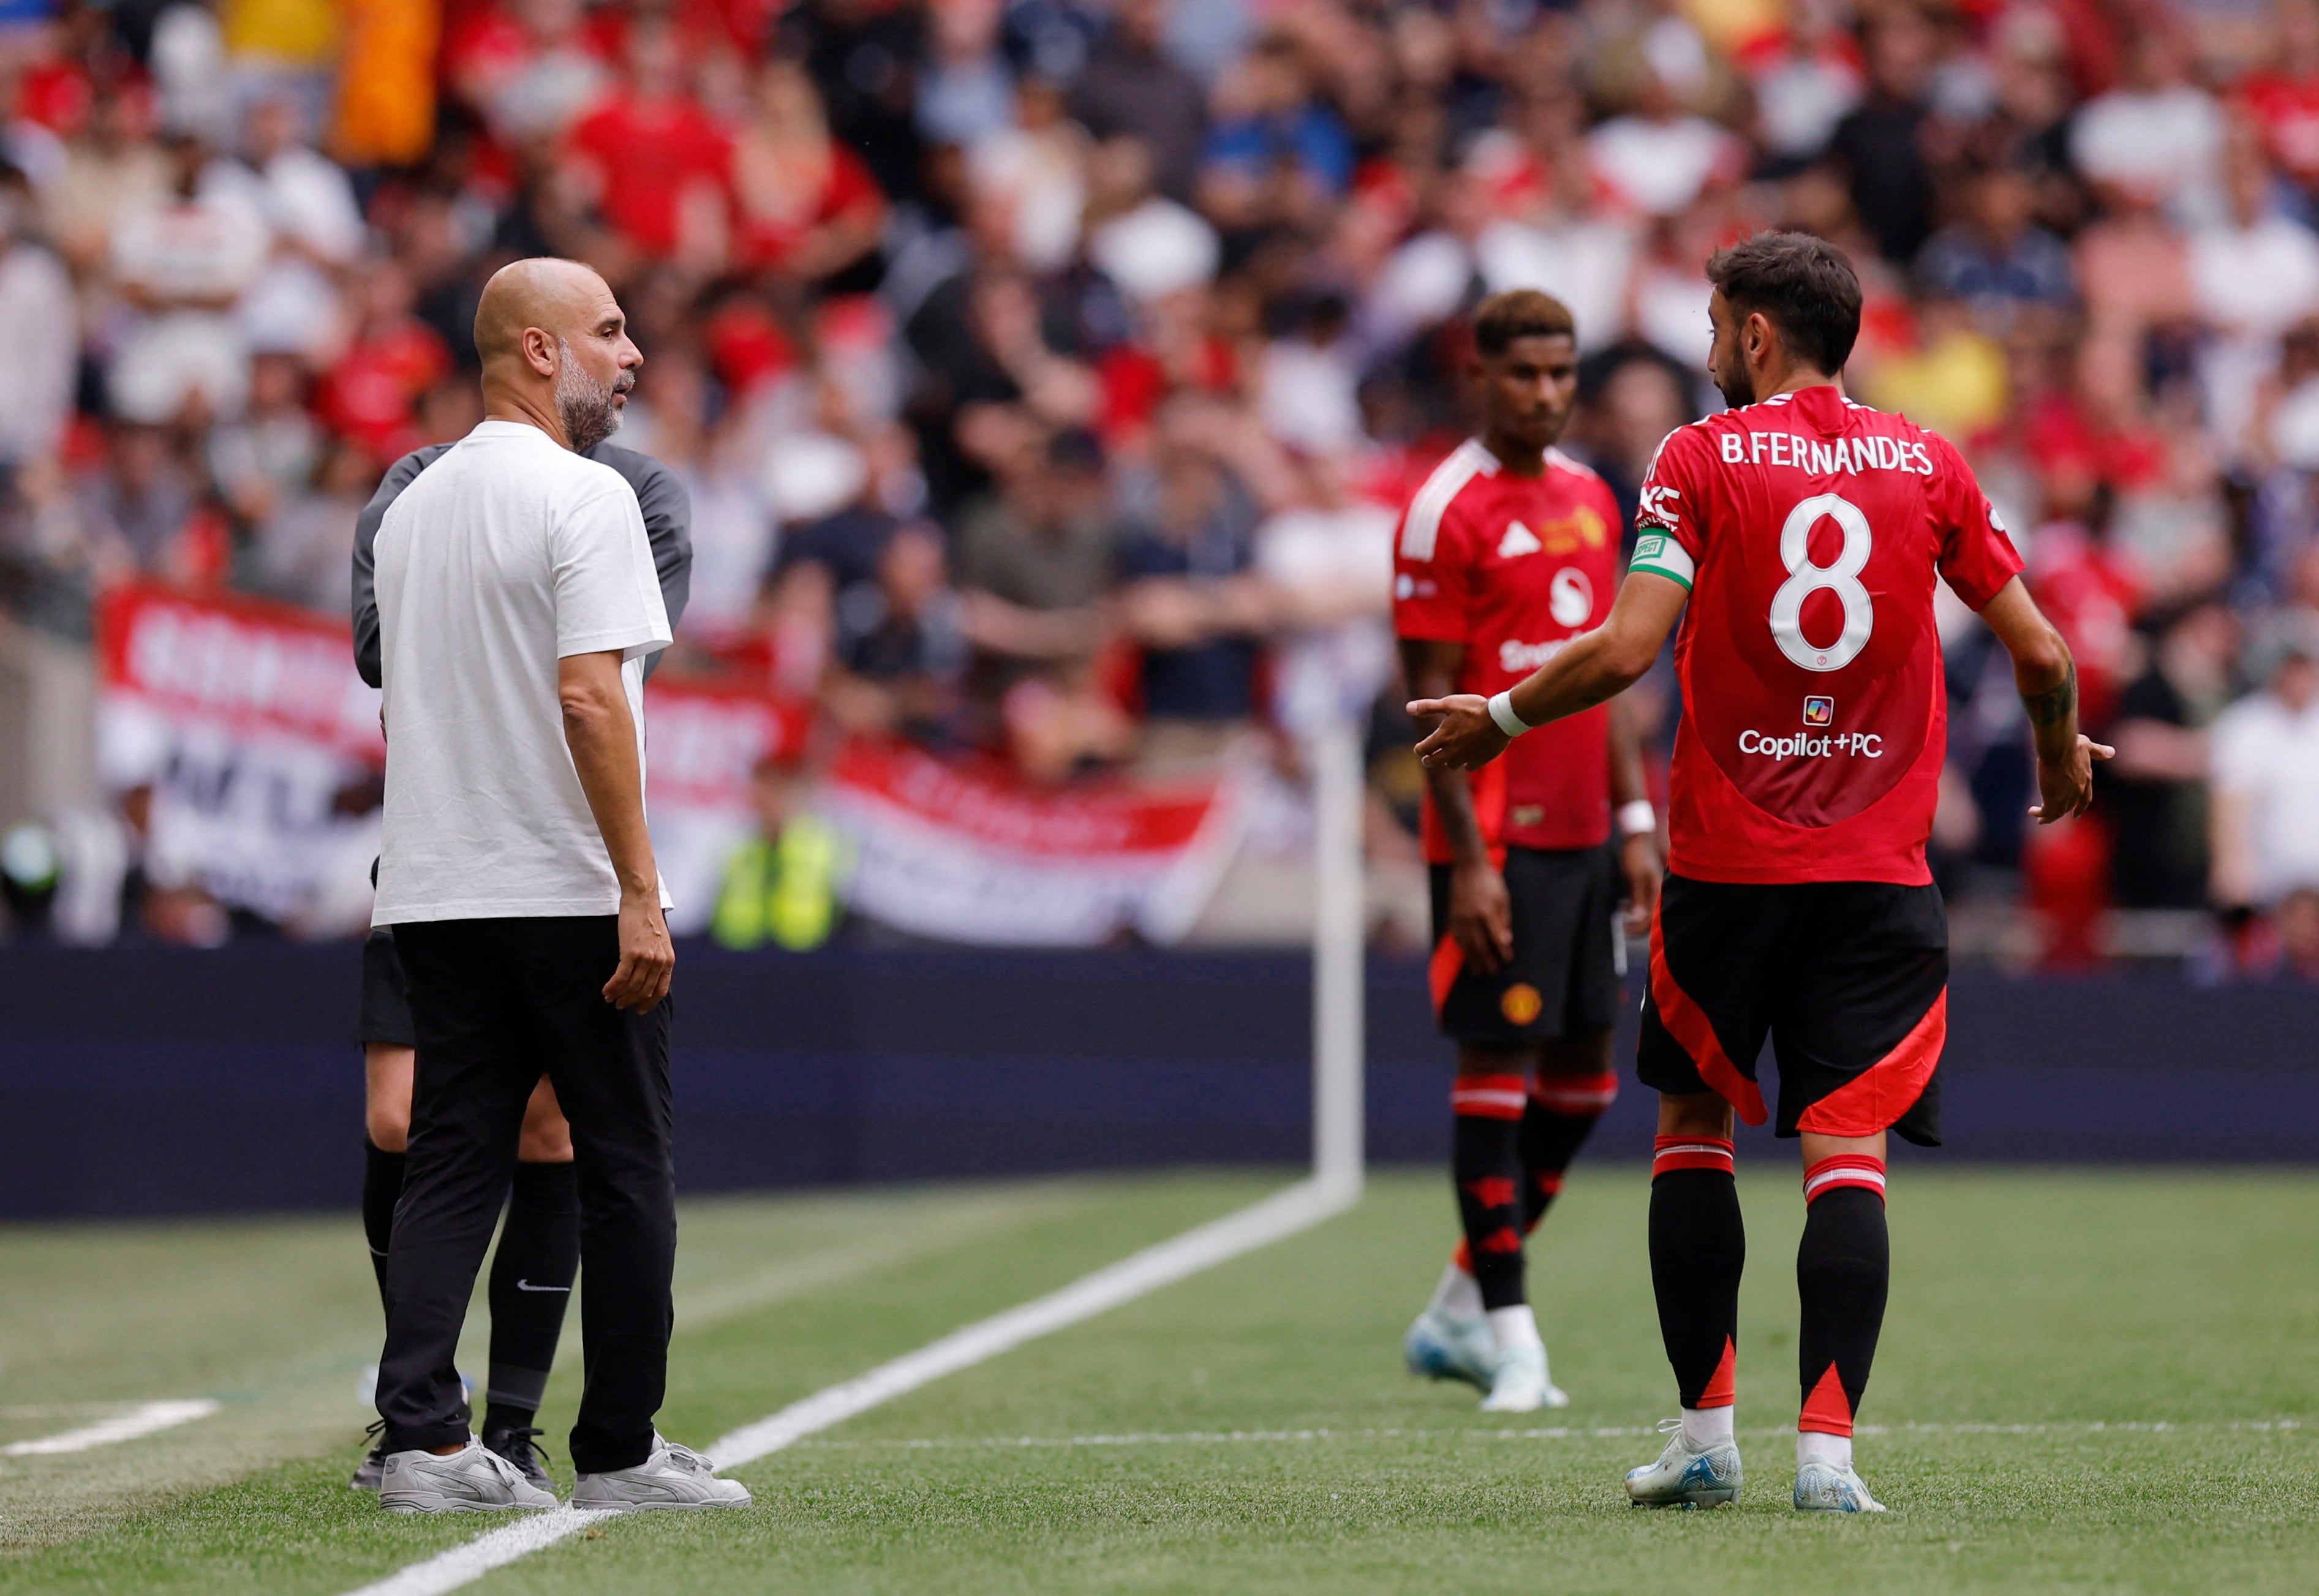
(1842,579)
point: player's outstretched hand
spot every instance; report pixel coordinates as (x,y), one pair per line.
(2067,789)
(647,957)
(1466,740)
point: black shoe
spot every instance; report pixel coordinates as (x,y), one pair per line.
(519,1445)
(374,1465)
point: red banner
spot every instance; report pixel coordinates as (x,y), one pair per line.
(247,663)
(244,723)
(988,806)
(705,738)
(968,852)
(247,722)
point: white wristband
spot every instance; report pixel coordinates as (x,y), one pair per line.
(1638,819)
(1502,710)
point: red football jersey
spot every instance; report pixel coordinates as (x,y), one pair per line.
(1810,530)
(1513,567)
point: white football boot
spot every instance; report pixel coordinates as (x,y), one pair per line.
(674,1477)
(1685,1478)
(1825,1488)
(473,1480)
(1445,1346)
(1520,1384)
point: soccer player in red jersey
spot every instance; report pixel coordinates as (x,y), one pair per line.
(1804,533)
(1510,551)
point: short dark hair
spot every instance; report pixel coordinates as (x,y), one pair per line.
(1519,314)
(1802,284)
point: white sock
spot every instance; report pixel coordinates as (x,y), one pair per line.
(1515,1327)
(1458,1295)
(1706,1426)
(1812,1447)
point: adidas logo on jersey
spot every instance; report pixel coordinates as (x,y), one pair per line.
(1519,540)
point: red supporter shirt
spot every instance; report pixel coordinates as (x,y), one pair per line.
(652,154)
(770,220)
(1810,530)
(370,394)
(1513,567)
(2286,110)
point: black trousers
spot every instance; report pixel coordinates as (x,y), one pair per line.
(495,1004)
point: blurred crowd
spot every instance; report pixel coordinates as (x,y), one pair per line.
(1047,375)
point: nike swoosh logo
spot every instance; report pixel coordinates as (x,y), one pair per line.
(523,1285)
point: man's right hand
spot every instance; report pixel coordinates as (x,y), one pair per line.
(647,956)
(1465,739)
(1481,915)
(2067,789)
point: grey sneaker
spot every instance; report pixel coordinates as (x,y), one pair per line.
(674,1477)
(371,1471)
(473,1480)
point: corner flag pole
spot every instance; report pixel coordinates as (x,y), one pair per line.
(1339,1134)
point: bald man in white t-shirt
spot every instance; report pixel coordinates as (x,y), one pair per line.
(516,601)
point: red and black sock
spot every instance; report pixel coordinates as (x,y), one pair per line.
(1486,1160)
(1699,1248)
(1560,1116)
(532,1272)
(1844,1267)
(381,1185)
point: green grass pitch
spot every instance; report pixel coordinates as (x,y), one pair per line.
(2090,1382)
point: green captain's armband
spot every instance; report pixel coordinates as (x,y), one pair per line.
(1661,555)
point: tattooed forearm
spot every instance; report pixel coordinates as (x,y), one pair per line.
(2056,705)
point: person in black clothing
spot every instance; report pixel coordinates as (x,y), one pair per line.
(899,657)
(2156,794)
(539,1255)
(847,543)
(1132,87)
(864,60)
(1882,143)
(1189,601)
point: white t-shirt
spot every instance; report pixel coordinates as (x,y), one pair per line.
(507,554)
(1584,264)
(208,247)
(2163,141)
(2268,755)
(1659,168)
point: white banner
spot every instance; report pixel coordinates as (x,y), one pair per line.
(249,750)
(967,853)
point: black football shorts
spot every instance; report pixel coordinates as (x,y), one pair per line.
(385,997)
(1563,976)
(1848,978)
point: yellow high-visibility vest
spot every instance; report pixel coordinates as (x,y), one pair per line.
(783,891)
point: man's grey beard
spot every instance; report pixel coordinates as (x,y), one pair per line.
(584,404)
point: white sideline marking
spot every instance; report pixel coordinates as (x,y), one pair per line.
(143,1419)
(1274,1218)
(463,1565)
